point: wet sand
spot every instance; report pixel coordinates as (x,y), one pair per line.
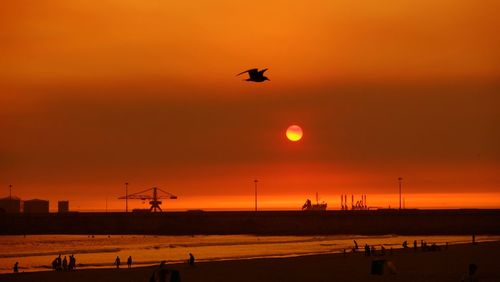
(445,265)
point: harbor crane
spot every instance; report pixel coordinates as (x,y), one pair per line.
(155,198)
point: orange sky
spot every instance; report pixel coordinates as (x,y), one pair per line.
(97,93)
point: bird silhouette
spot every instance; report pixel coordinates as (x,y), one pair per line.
(255,75)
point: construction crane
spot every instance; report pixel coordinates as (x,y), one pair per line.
(154,198)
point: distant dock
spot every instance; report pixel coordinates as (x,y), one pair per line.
(369,222)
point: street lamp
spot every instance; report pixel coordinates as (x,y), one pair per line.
(255,181)
(400,180)
(126,196)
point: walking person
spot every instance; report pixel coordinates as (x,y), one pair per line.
(129,261)
(117,262)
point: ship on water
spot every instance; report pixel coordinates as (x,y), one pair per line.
(309,206)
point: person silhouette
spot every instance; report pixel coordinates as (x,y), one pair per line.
(191,259)
(59,262)
(72,262)
(471,275)
(117,262)
(160,274)
(129,261)
(367,250)
(65,264)
(16,267)
(405,244)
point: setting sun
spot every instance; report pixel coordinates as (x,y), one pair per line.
(294,133)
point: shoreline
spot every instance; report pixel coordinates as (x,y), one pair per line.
(445,265)
(331,248)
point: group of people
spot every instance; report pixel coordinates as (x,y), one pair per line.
(59,264)
(118,262)
(423,246)
(369,250)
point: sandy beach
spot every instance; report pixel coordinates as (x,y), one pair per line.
(445,265)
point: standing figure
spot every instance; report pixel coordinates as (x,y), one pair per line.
(471,275)
(191,259)
(16,267)
(72,262)
(129,261)
(117,262)
(65,264)
(59,263)
(367,250)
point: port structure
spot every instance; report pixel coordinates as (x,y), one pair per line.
(359,205)
(154,198)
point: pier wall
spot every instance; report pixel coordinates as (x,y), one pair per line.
(428,222)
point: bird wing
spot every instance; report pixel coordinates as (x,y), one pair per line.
(250,72)
(262,71)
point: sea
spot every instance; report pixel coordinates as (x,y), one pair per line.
(36,252)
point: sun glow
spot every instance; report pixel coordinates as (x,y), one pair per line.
(294,133)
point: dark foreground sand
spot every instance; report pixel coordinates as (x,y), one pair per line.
(446,265)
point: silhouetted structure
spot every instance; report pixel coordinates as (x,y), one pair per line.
(10,204)
(359,205)
(406,222)
(309,206)
(154,198)
(36,206)
(63,206)
(255,75)
(400,180)
(16,267)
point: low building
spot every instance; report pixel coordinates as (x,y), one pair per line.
(10,205)
(63,206)
(36,206)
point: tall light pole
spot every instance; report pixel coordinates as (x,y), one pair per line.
(400,180)
(255,181)
(126,196)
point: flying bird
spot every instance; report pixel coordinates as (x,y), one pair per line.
(255,75)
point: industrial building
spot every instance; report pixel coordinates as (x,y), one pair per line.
(36,206)
(63,206)
(10,205)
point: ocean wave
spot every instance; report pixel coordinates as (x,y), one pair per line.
(65,252)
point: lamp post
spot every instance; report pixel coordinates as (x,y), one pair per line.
(126,196)
(400,180)
(255,181)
